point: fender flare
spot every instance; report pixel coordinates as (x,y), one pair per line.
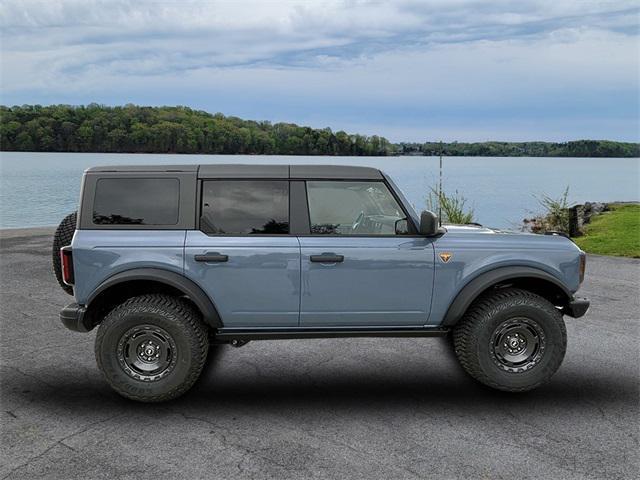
(479,284)
(172,279)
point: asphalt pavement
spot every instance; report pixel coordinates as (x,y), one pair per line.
(338,409)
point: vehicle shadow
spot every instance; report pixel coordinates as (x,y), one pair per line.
(317,391)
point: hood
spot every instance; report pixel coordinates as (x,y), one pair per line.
(477,228)
(472,228)
(477,232)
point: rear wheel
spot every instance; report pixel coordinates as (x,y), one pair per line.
(62,238)
(511,340)
(152,348)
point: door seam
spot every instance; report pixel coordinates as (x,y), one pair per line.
(299,279)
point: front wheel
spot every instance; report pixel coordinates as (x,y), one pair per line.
(152,348)
(511,340)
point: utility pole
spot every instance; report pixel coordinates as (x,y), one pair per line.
(440,189)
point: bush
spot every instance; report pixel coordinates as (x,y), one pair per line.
(453,207)
(555,217)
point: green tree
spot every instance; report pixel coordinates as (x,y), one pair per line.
(132,128)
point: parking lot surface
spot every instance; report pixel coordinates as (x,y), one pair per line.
(339,408)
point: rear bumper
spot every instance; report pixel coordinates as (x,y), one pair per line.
(576,307)
(72,316)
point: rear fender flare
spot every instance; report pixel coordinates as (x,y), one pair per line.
(200,299)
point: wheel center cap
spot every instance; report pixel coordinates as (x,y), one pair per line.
(515,344)
(149,351)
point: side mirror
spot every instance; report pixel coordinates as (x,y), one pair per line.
(428,224)
(402,227)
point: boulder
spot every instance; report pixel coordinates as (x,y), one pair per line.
(579,215)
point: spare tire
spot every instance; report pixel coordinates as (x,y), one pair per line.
(62,238)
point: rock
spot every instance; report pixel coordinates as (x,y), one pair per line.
(579,215)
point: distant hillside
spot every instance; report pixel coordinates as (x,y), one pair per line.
(135,129)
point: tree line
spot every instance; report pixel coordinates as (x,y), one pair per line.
(578,148)
(136,129)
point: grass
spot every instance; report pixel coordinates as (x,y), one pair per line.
(616,232)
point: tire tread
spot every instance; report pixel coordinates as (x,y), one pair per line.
(466,332)
(61,238)
(191,320)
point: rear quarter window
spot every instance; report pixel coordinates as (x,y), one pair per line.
(136,201)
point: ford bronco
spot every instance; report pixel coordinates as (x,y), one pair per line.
(167,260)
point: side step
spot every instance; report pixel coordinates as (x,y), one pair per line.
(244,335)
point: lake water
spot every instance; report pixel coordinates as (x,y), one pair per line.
(38,189)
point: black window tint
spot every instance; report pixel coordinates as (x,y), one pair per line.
(240,207)
(136,201)
(352,208)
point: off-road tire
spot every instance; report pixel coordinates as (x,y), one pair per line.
(175,317)
(474,339)
(62,238)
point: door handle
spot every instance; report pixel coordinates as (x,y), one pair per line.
(211,257)
(327,258)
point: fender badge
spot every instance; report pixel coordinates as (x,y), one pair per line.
(445,256)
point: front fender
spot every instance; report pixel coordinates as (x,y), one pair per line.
(471,290)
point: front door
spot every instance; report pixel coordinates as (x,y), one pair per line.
(359,266)
(243,255)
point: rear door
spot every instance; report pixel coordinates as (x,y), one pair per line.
(243,254)
(361,266)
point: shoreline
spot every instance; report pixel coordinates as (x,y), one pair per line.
(6,233)
(393,155)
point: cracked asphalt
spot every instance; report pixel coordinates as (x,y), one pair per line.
(368,408)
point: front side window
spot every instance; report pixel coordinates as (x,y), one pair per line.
(136,201)
(245,207)
(352,208)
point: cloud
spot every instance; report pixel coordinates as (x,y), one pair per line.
(460,66)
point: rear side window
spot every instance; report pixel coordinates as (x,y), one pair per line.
(136,201)
(245,207)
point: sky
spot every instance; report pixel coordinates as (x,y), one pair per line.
(408,70)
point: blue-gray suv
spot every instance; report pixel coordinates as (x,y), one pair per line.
(168,260)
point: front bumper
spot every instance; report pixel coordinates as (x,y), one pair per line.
(73,317)
(576,307)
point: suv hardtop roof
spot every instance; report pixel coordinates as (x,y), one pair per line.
(329,172)
(143,168)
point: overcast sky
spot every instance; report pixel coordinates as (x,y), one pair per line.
(409,70)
